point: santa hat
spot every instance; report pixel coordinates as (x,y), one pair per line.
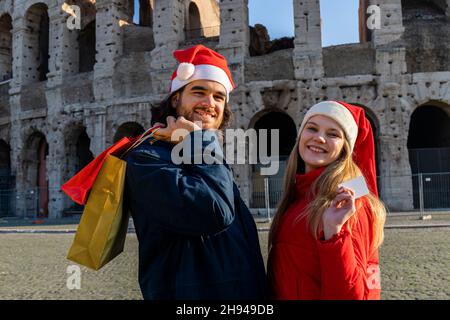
(358,131)
(201,63)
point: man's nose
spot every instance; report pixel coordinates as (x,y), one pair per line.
(208,100)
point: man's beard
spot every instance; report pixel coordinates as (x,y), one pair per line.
(190,115)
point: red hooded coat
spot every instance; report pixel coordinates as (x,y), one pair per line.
(301,267)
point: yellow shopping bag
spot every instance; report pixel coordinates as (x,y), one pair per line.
(101,234)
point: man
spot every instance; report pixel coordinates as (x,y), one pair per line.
(197,239)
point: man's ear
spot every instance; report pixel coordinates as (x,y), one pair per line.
(175,99)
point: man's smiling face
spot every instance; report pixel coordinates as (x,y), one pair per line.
(202,101)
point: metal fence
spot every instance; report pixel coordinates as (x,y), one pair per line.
(7,204)
(6,199)
(28,203)
(266,192)
(431,191)
(429,160)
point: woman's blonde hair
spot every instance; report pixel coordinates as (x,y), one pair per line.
(322,193)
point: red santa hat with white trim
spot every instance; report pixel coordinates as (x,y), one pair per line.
(358,131)
(201,63)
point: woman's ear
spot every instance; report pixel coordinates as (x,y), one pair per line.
(345,151)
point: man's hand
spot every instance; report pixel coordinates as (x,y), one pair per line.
(176,128)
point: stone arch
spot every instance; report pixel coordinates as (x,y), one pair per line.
(419,7)
(77,149)
(418,103)
(141,12)
(194,29)
(83,152)
(82,41)
(77,156)
(5,159)
(36,43)
(5,47)
(146,13)
(137,26)
(282,98)
(6,180)
(425,35)
(86,45)
(5,62)
(202,19)
(35,174)
(128,129)
(272,119)
(277,119)
(429,153)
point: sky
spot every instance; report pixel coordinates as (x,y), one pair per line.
(339,19)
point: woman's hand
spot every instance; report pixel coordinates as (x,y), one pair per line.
(341,209)
(180,126)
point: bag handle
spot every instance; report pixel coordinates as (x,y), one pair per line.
(149,133)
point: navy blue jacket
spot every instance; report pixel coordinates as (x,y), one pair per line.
(197,238)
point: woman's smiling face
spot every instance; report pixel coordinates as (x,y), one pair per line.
(321,142)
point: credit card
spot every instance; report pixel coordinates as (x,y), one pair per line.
(358,185)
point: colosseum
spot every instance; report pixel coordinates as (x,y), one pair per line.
(68,91)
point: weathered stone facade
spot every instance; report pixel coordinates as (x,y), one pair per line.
(65,88)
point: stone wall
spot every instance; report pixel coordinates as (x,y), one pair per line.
(426,38)
(137,39)
(404,66)
(78,89)
(274,66)
(349,59)
(4,101)
(132,75)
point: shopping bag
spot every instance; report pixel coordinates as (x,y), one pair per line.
(78,187)
(102,230)
(103,226)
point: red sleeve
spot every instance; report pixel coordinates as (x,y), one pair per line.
(347,270)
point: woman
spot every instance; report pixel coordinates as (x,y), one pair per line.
(323,244)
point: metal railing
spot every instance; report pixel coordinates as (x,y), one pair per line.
(266,193)
(429,159)
(431,191)
(7,204)
(25,203)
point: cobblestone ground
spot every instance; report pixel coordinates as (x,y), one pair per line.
(415,265)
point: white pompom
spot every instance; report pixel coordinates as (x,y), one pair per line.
(185,71)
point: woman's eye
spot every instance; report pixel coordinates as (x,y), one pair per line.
(334,135)
(312,129)
(219,98)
